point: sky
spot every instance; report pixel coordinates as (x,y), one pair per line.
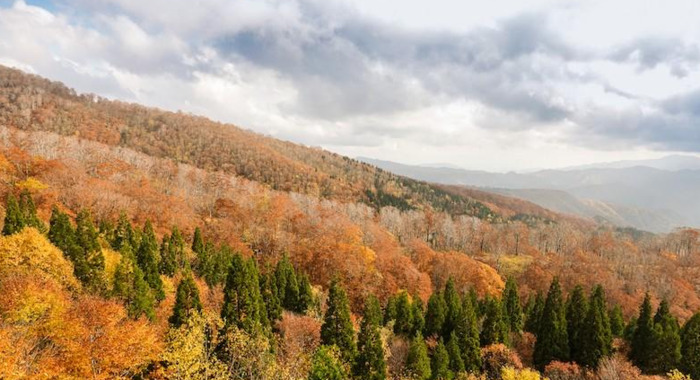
(491,85)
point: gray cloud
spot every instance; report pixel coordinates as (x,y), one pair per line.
(650,52)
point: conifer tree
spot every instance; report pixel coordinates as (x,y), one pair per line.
(440,362)
(435,314)
(455,354)
(123,233)
(495,329)
(61,233)
(454,307)
(306,295)
(186,301)
(287,284)
(243,306)
(512,310)
(369,363)
(147,260)
(690,347)
(177,245)
(617,321)
(532,321)
(418,315)
(552,338)
(596,337)
(576,311)
(390,310)
(269,293)
(643,337)
(418,362)
(168,260)
(89,263)
(14,220)
(198,248)
(141,299)
(28,210)
(337,328)
(325,365)
(467,332)
(404,315)
(666,351)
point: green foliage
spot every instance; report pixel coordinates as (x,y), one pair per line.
(243,305)
(287,284)
(326,365)
(123,233)
(418,362)
(390,310)
(534,313)
(403,324)
(28,212)
(440,362)
(337,328)
(269,293)
(552,337)
(141,299)
(455,354)
(617,322)
(596,337)
(369,363)
(576,311)
(690,347)
(454,308)
(186,301)
(418,315)
(147,260)
(306,296)
(198,242)
(643,337)
(168,258)
(435,314)
(512,310)
(667,341)
(14,220)
(467,333)
(495,328)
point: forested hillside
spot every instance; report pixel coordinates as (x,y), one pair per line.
(145,244)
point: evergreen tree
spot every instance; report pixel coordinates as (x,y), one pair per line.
(89,263)
(217,263)
(596,337)
(306,296)
(337,328)
(552,338)
(404,315)
(440,362)
(418,315)
(61,233)
(690,347)
(186,301)
(532,321)
(512,310)
(14,220)
(123,233)
(370,364)
(643,337)
(141,300)
(269,293)
(454,307)
(467,332)
(617,322)
(147,260)
(455,354)
(177,245)
(326,366)
(168,259)
(418,362)
(390,310)
(198,248)
(495,329)
(243,306)
(435,314)
(287,284)
(576,311)
(28,210)
(666,351)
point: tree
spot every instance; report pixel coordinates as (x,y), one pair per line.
(596,337)
(404,315)
(337,328)
(243,306)
(535,308)
(643,337)
(455,354)
(512,310)
(495,328)
(306,295)
(141,300)
(186,301)
(576,311)
(552,338)
(123,233)
(418,315)
(454,307)
(147,260)
(287,284)
(87,253)
(269,293)
(198,247)
(440,362)
(467,333)
(14,220)
(667,348)
(369,363)
(435,314)
(390,310)
(690,347)
(617,321)
(168,258)
(418,362)
(28,210)
(326,365)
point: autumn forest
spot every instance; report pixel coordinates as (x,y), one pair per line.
(145,244)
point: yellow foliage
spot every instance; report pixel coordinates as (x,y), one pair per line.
(678,375)
(112,259)
(508,373)
(514,264)
(31,183)
(29,252)
(190,354)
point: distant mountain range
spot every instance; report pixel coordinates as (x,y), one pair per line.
(655,195)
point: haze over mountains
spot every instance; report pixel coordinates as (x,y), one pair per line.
(655,195)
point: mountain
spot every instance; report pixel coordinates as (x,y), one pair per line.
(672,163)
(639,196)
